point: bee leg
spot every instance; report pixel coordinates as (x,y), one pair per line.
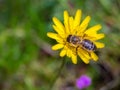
(84,35)
(76,49)
(90,55)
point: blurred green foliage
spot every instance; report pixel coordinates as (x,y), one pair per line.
(26,60)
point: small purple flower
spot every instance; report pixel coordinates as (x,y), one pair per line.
(83,82)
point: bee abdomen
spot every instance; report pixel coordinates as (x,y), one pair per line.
(88,45)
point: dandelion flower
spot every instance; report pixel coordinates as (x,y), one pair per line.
(75,39)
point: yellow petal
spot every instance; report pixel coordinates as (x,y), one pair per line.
(58,30)
(83,58)
(69,52)
(57,46)
(74,58)
(52,35)
(94,56)
(63,52)
(71,24)
(58,24)
(77,18)
(93,29)
(66,19)
(66,16)
(99,45)
(55,36)
(99,36)
(84,24)
(84,55)
(94,36)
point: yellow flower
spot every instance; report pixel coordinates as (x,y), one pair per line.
(73,29)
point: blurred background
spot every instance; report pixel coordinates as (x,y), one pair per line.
(26,59)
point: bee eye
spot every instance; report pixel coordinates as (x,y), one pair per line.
(68,38)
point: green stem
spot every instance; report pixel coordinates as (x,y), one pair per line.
(58,74)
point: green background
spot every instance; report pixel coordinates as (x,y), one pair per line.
(26,59)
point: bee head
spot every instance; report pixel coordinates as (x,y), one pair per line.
(69,38)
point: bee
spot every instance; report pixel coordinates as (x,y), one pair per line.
(77,41)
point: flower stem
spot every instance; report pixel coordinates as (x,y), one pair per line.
(58,74)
